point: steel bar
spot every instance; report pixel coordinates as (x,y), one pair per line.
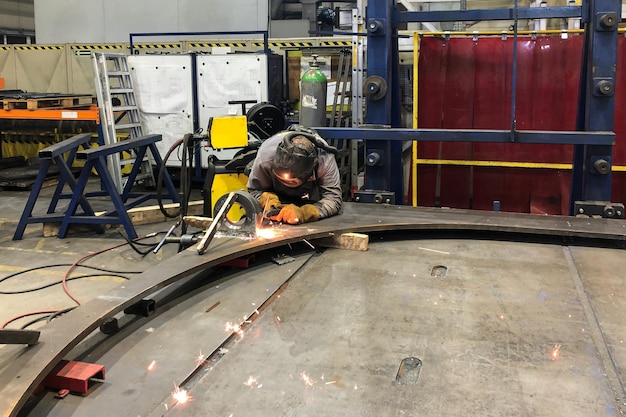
(491,14)
(21,374)
(18,337)
(469,135)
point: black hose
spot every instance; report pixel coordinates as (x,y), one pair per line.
(159,186)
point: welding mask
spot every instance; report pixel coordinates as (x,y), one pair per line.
(295,160)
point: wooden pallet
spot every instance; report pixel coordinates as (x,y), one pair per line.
(25,185)
(47,102)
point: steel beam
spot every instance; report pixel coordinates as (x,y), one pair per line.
(591,175)
(492,14)
(22,371)
(471,135)
(382,90)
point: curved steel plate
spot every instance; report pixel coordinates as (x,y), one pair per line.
(21,374)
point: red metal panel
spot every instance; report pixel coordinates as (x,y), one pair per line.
(491,111)
(458,113)
(619,151)
(467,84)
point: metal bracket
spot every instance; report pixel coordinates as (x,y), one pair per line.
(74,376)
(244,227)
(143,308)
(374,196)
(604,209)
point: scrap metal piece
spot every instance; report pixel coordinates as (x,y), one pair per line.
(19,337)
(282,259)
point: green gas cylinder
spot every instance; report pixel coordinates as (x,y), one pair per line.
(313,96)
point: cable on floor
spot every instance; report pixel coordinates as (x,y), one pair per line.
(65,279)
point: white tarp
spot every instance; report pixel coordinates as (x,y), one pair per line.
(163,86)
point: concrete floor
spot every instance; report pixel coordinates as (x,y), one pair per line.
(502,328)
(35,251)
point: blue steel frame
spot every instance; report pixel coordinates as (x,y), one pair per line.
(591,179)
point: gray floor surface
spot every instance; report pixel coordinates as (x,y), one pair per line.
(501,328)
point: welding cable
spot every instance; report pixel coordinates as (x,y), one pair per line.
(185,175)
(59,313)
(38,268)
(91,255)
(52,284)
(21,316)
(139,251)
(66,278)
(48,317)
(134,244)
(159,185)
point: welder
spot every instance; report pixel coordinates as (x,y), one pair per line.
(295,177)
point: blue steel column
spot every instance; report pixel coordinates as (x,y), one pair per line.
(383,169)
(591,174)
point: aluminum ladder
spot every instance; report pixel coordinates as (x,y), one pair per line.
(119,113)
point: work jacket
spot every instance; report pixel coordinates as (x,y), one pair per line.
(323,188)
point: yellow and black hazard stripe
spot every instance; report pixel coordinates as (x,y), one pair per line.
(335,43)
(156,46)
(5,48)
(96,47)
(218,45)
(285,44)
(40,48)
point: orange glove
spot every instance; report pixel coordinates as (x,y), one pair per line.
(293,214)
(269,201)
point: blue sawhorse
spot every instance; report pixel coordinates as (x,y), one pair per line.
(56,154)
(95,158)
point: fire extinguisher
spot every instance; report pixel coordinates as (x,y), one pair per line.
(313,96)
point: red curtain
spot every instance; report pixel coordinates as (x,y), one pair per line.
(466,84)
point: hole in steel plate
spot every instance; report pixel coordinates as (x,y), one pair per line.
(409,371)
(439,271)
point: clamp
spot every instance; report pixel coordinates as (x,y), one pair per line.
(245,225)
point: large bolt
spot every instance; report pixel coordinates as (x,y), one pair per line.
(609,211)
(602,166)
(373,159)
(606,87)
(374,26)
(373,88)
(608,20)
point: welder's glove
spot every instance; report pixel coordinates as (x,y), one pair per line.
(269,201)
(293,214)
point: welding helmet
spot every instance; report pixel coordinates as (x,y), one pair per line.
(295,160)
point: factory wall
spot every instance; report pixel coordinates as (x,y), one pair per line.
(17,15)
(105,21)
